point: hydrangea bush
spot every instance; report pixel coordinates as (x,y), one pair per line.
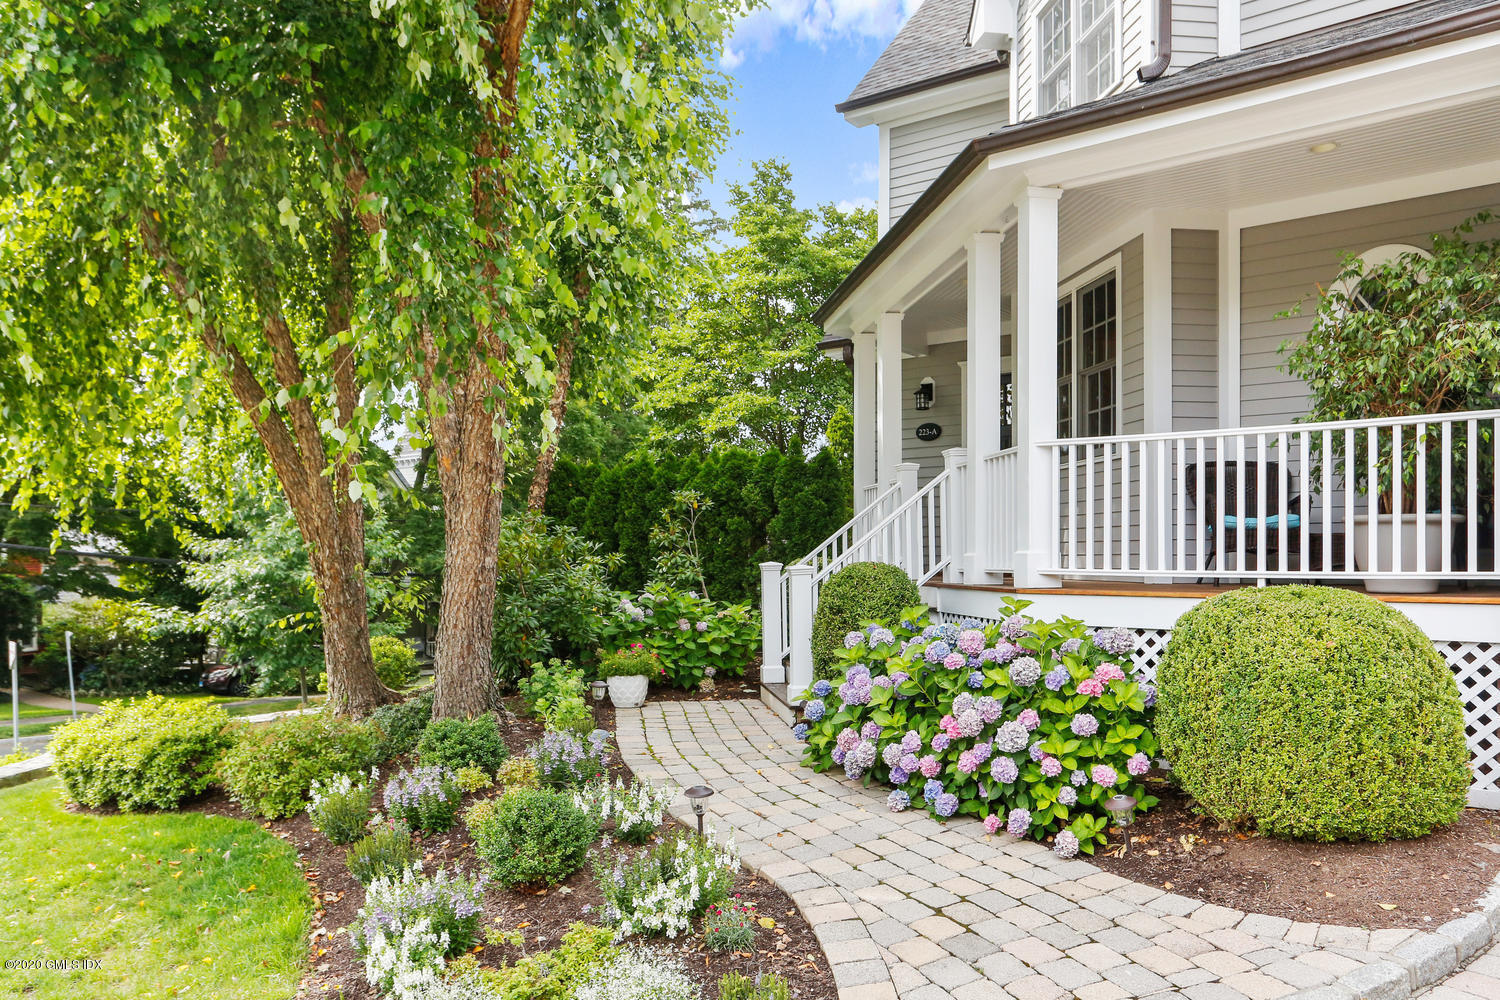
(688,633)
(1029,725)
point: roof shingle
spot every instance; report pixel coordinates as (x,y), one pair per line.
(930,49)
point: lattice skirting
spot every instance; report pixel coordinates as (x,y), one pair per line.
(1475,665)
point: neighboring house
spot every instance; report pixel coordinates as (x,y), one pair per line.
(1095,215)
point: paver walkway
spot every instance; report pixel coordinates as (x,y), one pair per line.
(908,907)
(1480,980)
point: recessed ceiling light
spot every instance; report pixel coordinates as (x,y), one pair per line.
(1323,147)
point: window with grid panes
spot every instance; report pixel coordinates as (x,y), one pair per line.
(1077,52)
(1087,359)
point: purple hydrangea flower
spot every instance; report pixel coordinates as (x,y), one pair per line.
(838,755)
(822,688)
(883,681)
(1104,776)
(701,626)
(814,710)
(1036,752)
(1025,672)
(929,632)
(880,636)
(1011,737)
(847,738)
(1149,690)
(1084,724)
(853,639)
(912,741)
(1072,645)
(860,759)
(900,776)
(1067,795)
(929,766)
(891,754)
(899,677)
(856,689)
(969,723)
(1056,678)
(932,789)
(1079,778)
(946,805)
(1030,719)
(1004,770)
(1138,764)
(1115,641)
(1051,766)
(987,656)
(976,680)
(1018,822)
(897,801)
(937,652)
(1005,652)
(989,708)
(870,730)
(982,752)
(857,670)
(962,702)
(940,742)
(908,762)
(970,641)
(1066,844)
(1014,627)
(800,732)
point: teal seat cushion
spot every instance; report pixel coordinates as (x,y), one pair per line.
(1274,521)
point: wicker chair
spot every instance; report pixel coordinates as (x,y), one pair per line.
(1229,523)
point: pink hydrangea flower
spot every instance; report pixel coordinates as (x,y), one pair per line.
(1051,766)
(1030,719)
(929,766)
(1104,775)
(992,823)
(1093,687)
(949,725)
(1109,672)
(967,763)
(955,661)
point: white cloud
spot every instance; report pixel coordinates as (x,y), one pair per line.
(815,22)
(867,172)
(850,204)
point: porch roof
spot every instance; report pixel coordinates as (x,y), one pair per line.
(1405,30)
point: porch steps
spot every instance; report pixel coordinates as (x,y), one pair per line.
(778,700)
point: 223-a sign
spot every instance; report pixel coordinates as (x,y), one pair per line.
(929,432)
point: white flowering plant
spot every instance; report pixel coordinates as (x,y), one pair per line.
(636,809)
(663,890)
(340,806)
(411,922)
(636,974)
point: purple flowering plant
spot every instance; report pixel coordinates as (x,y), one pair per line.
(975,741)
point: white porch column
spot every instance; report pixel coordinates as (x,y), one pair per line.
(772,670)
(909,529)
(1036,379)
(888,396)
(982,397)
(799,674)
(955,512)
(864,416)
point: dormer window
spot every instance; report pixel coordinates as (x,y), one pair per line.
(1077,52)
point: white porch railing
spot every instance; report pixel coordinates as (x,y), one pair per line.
(910,534)
(1002,472)
(1286,502)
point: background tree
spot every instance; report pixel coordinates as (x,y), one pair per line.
(739,363)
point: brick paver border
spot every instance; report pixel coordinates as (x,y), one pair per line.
(907,907)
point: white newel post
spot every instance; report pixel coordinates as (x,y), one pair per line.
(888,396)
(1036,380)
(772,670)
(983,397)
(800,598)
(909,547)
(956,519)
(864,416)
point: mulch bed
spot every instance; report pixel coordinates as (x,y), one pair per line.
(789,950)
(724,689)
(1405,883)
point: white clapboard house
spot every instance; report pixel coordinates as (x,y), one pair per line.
(1068,383)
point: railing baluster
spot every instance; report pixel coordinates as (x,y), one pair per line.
(1372,499)
(1180,446)
(1220,555)
(1304,479)
(1326,501)
(1109,516)
(1260,504)
(1125,505)
(1282,500)
(1396,477)
(1445,499)
(1163,514)
(1419,440)
(1471,510)
(1072,508)
(1088,493)
(1200,549)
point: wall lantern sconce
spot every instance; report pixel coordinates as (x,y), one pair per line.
(925,394)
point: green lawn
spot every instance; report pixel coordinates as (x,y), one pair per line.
(170,904)
(27,711)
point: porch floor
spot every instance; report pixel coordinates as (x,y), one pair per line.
(1446,594)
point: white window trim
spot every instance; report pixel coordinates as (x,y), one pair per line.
(1073,65)
(1068,289)
(1374,257)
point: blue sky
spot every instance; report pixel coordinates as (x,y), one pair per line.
(792,60)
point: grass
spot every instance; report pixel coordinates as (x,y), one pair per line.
(28,711)
(169,904)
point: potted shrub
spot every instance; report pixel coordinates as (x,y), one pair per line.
(629,672)
(1402,333)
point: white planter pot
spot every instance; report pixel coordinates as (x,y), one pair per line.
(628,692)
(1385,545)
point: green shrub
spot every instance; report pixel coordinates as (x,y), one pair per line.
(340,807)
(472,779)
(555,974)
(852,598)
(766,986)
(401,726)
(555,693)
(385,853)
(119,646)
(425,797)
(456,743)
(395,662)
(1313,713)
(518,772)
(271,768)
(531,836)
(148,753)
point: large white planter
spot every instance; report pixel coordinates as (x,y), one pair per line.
(1385,545)
(628,692)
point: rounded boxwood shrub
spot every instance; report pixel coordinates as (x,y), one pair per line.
(856,595)
(400,726)
(531,836)
(395,663)
(148,753)
(1313,713)
(456,743)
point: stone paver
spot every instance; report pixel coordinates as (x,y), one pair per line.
(908,908)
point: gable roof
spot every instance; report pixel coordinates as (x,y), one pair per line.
(1404,29)
(931,49)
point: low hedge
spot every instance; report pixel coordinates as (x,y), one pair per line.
(270,768)
(857,595)
(1313,713)
(148,753)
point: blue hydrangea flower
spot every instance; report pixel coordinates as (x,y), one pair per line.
(800,731)
(881,636)
(932,789)
(900,776)
(1056,678)
(822,689)
(897,801)
(948,631)
(929,632)
(937,652)
(940,742)
(976,680)
(970,623)
(814,710)
(946,804)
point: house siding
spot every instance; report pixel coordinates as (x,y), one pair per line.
(1284,264)
(921,149)
(941,364)
(1195,329)
(1195,32)
(1263,21)
(1135,32)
